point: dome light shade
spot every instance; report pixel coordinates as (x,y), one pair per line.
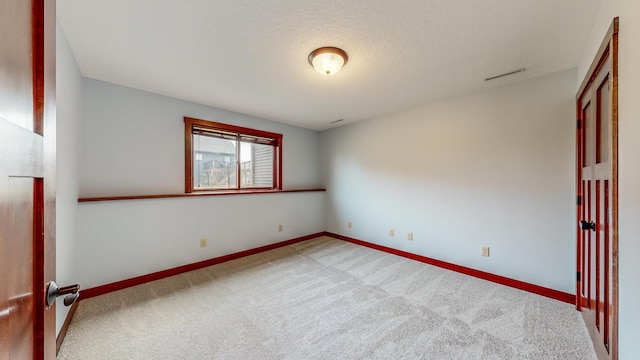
(328,60)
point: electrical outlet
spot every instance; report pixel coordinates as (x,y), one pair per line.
(410,236)
(349,225)
(203,242)
(279,228)
(485,251)
(391,232)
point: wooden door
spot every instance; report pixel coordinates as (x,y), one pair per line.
(27,171)
(597,199)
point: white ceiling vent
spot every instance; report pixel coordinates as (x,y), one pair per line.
(506,74)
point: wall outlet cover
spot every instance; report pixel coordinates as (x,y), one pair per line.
(485,251)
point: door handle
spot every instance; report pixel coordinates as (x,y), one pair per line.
(587,225)
(53,291)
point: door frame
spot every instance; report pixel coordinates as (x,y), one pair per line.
(45,113)
(608,48)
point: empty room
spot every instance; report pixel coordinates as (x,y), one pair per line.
(328,179)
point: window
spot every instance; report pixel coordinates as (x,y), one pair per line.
(227,157)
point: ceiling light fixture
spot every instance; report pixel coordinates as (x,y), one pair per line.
(328,60)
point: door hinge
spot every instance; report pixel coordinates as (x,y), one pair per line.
(579,200)
(578,276)
(578,124)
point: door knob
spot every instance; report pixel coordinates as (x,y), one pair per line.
(71,292)
(587,225)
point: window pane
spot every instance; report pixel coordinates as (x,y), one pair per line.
(214,163)
(256,165)
(228,157)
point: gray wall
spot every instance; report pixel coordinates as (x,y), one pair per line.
(493,168)
(133,144)
(69,125)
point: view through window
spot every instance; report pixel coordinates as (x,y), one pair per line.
(227,157)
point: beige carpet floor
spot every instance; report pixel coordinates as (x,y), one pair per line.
(324,299)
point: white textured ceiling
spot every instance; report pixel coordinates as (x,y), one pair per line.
(250,56)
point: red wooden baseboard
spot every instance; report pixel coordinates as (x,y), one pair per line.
(65,326)
(536,289)
(123,284)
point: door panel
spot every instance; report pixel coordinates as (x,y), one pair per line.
(595,173)
(596,154)
(20,236)
(603,126)
(20,283)
(27,153)
(16,88)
